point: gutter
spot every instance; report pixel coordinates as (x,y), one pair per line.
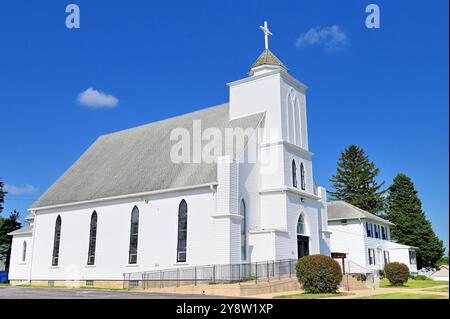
(91,201)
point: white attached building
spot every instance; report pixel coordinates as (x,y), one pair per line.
(440,274)
(366,239)
(126,206)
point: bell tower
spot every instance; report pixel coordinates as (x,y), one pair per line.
(271,89)
(284,158)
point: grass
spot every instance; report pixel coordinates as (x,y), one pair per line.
(4,285)
(414,284)
(312,296)
(444,289)
(404,295)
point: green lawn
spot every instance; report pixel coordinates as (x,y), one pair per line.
(404,295)
(312,296)
(414,284)
(445,289)
(4,285)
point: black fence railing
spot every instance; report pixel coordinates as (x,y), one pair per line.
(210,274)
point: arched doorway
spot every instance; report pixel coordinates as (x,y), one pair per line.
(302,239)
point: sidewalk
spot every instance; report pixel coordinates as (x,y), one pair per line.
(365,292)
(379,291)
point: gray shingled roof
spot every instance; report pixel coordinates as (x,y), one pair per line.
(343,210)
(22,231)
(137,160)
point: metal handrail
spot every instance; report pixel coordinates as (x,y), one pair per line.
(210,274)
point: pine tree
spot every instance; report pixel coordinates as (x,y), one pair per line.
(355,181)
(412,228)
(2,196)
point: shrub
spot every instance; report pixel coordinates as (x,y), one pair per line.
(396,273)
(420,277)
(319,274)
(360,277)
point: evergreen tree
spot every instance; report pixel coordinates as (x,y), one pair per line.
(2,196)
(7,225)
(355,181)
(412,228)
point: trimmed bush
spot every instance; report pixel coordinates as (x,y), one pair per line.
(396,273)
(360,277)
(420,277)
(318,274)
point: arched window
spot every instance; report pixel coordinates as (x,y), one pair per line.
(134,232)
(182,231)
(24,251)
(297,122)
(291,118)
(294,174)
(301,225)
(243,213)
(56,241)
(302,176)
(92,239)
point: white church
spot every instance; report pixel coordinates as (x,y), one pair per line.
(126,206)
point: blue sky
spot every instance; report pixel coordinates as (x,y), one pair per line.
(385,90)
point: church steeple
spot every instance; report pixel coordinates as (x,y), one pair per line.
(267,61)
(268,58)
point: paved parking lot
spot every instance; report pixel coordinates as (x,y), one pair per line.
(61,293)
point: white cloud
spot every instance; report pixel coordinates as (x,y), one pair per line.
(95,99)
(331,38)
(27,189)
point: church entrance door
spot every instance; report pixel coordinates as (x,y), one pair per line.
(302,246)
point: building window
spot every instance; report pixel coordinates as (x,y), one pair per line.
(182,231)
(294,174)
(412,257)
(383,233)
(243,213)
(369,229)
(134,235)
(386,257)
(372,256)
(92,239)
(293,118)
(301,225)
(377,235)
(302,176)
(56,242)
(24,251)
